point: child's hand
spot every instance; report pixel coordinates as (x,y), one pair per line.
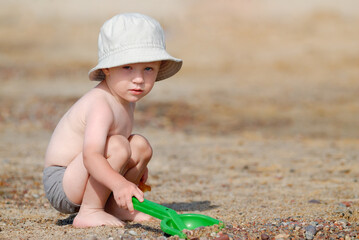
(124,193)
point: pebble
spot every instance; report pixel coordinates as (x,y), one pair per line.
(315,201)
(133,233)
(346,204)
(93,237)
(34,195)
(310,232)
(281,236)
(223,237)
(264,236)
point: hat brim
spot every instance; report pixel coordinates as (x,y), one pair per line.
(168,68)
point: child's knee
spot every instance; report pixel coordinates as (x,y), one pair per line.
(140,145)
(118,147)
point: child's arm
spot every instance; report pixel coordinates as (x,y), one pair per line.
(98,123)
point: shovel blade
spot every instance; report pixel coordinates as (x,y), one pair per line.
(191,222)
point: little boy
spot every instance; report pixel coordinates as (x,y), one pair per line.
(94,163)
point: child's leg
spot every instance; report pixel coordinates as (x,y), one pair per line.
(141,153)
(85,190)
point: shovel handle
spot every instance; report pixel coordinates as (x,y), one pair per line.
(153,209)
(158,211)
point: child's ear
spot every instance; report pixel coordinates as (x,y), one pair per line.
(106,71)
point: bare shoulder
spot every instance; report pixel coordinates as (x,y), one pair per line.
(94,95)
(93,103)
(96,100)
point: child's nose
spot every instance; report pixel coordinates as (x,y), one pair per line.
(138,78)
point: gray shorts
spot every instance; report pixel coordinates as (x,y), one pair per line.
(54,191)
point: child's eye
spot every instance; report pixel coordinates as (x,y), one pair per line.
(148,68)
(126,67)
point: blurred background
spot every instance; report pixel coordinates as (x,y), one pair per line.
(272,68)
(261,120)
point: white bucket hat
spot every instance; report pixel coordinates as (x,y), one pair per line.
(133,38)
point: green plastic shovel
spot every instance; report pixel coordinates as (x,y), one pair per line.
(173,223)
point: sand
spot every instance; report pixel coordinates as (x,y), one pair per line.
(260,125)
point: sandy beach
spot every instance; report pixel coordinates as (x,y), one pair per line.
(259,129)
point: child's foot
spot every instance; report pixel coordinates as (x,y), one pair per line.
(125,215)
(95,217)
(137,216)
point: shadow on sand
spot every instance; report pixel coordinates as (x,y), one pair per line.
(67,221)
(191,206)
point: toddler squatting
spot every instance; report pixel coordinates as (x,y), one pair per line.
(94,162)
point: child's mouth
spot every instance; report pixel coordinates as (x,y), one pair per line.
(136,91)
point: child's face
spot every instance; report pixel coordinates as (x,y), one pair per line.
(133,81)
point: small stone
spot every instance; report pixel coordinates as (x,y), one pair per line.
(133,233)
(315,201)
(281,236)
(347,204)
(93,237)
(189,233)
(34,195)
(310,231)
(342,205)
(127,237)
(223,237)
(264,236)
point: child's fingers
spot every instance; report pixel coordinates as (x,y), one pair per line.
(139,195)
(130,206)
